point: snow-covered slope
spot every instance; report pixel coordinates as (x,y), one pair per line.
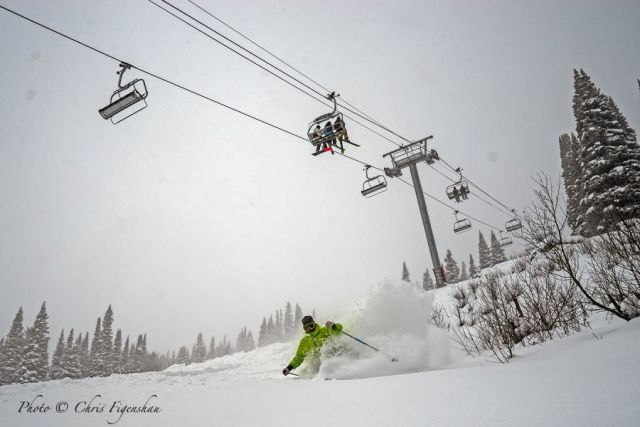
(587,379)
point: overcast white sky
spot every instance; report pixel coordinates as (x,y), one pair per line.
(190,218)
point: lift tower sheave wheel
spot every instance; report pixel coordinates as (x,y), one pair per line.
(409,156)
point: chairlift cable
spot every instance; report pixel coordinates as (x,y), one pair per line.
(261,59)
(193,92)
(277,57)
(236,110)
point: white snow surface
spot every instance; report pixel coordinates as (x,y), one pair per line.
(588,379)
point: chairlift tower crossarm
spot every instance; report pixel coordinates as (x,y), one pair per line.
(409,156)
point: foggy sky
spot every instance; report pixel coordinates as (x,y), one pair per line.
(188,217)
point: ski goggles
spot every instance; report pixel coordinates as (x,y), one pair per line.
(309,327)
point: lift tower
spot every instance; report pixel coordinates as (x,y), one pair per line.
(408,156)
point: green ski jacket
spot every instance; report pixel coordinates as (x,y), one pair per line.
(312,342)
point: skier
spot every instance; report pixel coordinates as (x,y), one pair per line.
(311,344)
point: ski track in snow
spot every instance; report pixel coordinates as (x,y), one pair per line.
(588,379)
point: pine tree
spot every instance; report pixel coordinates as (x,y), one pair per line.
(297,318)
(279,326)
(250,342)
(271,331)
(84,356)
(463,272)
(183,355)
(55,371)
(36,350)
(211,354)
(484,252)
(70,360)
(405,272)
(116,354)
(106,342)
(96,363)
(11,367)
(609,158)
(125,361)
(427,282)
(200,353)
(288,322)
(451,269)
(472,267)
(497,252)
(262,334)
(571,174)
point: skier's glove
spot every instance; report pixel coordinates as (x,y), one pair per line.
(330,324)
(286,370)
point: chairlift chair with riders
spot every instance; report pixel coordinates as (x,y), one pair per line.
(327,130)
(459,190)
(505,240)
(373,185)
(513,224)
(127,100)
(461,224)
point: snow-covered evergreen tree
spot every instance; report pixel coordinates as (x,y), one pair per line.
(405,272)
(96,363)
(11,367)
(571,174)
(85,361)
(279,326)
(250,343)
(288,322)
(472,267)
(125,361)
(262,334)
(483,252)
(609,158)
(297,318)
(211,354)
(497,252)
(200,353)
(106,343)
(116,354)
(451,269)
(36,350)
(71,360)
(56,371)
(463,271)
(183,355)
(427,281)
(271,331)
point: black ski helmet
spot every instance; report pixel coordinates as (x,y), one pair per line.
(307,320)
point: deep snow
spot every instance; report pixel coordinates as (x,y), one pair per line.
(588,379)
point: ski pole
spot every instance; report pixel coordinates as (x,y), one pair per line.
(393,359)
(295,375)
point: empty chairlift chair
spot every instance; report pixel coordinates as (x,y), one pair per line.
(127,100)
(461,224)
(373,185)
(513,224)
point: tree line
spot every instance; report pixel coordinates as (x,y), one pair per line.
(488,257)
(24,354)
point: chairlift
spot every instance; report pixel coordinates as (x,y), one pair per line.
(505,240)
(513,224)
(373,185)
(458,191)
(127,100)
(461,224)
(328,130)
